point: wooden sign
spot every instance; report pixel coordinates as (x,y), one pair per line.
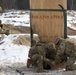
(47,24)
(47,4)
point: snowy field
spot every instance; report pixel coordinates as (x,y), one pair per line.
(13,54)
(16,55)
(9,52)
(71,20)
(16,17)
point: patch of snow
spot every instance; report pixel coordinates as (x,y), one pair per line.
(71,19)
(16,18)
(73,36)
(11,53)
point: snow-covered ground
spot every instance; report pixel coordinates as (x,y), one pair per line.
(71,19)
(12,53)
(16,17)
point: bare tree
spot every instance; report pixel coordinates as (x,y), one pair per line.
(71,4)
(22,4)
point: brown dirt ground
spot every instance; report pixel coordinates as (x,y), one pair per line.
(25,40)
(71,31)
(22,40)
(24,29)
(16,29)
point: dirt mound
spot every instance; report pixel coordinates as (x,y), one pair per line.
(22,40)
(71,31)
(16,29)
(25,39)
(22,29)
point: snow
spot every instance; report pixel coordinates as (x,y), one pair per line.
(73,36)
(71,19)
(16,18)
(12,53)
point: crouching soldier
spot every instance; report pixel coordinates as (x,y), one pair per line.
(66,52)
(3,31)
(1,26)
(38,56)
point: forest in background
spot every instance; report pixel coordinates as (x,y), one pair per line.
(71,4)
(24,4)
(15,4)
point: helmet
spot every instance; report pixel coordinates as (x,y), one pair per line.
(58,40)
(50,46)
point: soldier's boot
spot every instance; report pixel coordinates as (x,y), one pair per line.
(71,68)
(40,66)
(40,70)
(29,63)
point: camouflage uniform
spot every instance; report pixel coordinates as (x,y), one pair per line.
(39,56)
(50,54)
(3,31)
(1,25)
(66,51)
(0,9)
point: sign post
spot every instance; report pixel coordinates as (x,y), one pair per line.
(48,19)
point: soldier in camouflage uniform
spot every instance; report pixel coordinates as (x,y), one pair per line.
(3,31)
(1,26)
(39,56)
(66,51)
